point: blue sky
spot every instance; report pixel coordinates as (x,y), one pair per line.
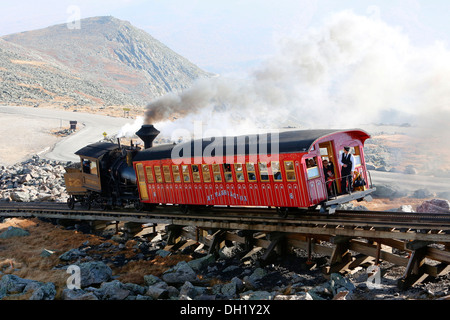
(230,36)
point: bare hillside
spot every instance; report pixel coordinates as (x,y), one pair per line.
(105,62)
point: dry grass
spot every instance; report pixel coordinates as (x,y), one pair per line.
(21,256)
(134,271)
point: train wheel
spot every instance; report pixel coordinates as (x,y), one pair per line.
(283,212)
(86,203)
(184,208)
(139,206)
(71,203)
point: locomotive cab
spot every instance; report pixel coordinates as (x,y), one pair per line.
(104,176)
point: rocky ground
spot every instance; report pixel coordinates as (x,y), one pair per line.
(123,266)
(38,261)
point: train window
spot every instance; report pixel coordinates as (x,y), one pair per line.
(312,168)
(227,172)
(176,174)
(141,181)
(263,171)
(167,176)
(196,172)
(158,175)
(186,176)
(140,172)
(357,156)
(251,172)
(149,172)
(206,173)
(94,168)
(216,173)
(239,172)
(290,170)
(276,172)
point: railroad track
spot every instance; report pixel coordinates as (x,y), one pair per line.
(365,224)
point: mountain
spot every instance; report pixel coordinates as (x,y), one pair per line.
(106,61)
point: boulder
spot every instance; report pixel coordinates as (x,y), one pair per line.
(434,206)
(150,279)
(422,194)
(158,291)
(94,272)
(410,170)
(72,254)
(202,262)
(77,294)
(14,232)
(20,196)
(12,284)
(257,295)
(46,291)
(180,273)
(114,290)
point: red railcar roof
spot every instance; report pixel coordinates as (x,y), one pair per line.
(288,142)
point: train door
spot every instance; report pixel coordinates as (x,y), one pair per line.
(151,186)
(315,181)
(207,184)
(252,186)
(141,182)
(187,191)
(198,191)
(327,153)
(240,186)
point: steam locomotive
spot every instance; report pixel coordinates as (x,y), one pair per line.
(283,171)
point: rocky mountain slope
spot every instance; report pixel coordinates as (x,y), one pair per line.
(106,61)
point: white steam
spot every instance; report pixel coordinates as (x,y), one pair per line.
(129,129)
(351,71)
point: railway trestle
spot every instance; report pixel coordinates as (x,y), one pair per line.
(420,242)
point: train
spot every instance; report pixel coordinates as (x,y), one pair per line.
(284,170)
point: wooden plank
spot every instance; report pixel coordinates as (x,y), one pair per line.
(371,250)
(438,255)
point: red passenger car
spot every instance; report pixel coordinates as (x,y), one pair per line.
(282,170)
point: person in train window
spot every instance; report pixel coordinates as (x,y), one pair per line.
(347,161)
(328,170)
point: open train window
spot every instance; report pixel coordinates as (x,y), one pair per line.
(251,172)
(357,156)
(90,167)
(263,171)
(196,172)
(276,172)
(185,170)
(166,171)
(176,173)
(216,173)
(158,175)
(227,172)
(290,170)
(312,168)
(149,172)
(206,173)
(239,172)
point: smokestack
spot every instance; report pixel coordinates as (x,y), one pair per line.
(147,133)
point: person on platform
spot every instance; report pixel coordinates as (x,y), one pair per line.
(347,162)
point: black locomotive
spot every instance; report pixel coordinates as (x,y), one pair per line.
(105,176)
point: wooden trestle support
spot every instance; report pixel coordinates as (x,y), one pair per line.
(345,253)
